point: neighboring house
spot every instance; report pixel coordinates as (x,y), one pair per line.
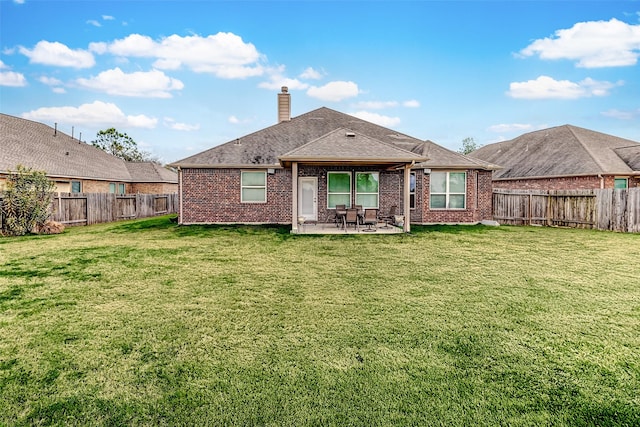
(564,158)
(74,166)
(306,165)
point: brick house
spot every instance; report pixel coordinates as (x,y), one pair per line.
(306,165)
(74,166)
(563,158)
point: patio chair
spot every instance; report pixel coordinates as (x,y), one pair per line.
(389,217)
(370,219)
(340,212)
(351,218)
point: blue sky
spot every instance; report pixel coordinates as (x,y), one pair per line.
(183,76)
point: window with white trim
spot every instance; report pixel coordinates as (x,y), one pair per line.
(253,187)
(448,190)
(112,187)
(338,189)
(367,186)
(121,189)
(620,183)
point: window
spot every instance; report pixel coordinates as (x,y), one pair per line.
(412,190)
(121,189)
(620,183)
(76,187)
(338,189)
(367,184)
(448,190)
(112,187)
(254,187)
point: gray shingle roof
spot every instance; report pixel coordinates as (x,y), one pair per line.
(266,146)
(150,172)
(347,146)
(559,151)
(41,147)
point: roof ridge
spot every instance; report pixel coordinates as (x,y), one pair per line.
(587,149)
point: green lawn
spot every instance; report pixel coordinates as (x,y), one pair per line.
(148,323)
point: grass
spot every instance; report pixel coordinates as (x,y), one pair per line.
(148,323)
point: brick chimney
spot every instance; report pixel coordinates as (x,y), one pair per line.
(284,105)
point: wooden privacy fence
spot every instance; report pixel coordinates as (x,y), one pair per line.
(602,209)
(93,208)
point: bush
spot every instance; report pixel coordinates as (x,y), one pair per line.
(26,201)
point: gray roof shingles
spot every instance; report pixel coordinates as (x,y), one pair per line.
(559,151)
(265,147)
(41,147)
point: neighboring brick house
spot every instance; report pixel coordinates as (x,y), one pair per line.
(74,166)
(306,165)
(564,158)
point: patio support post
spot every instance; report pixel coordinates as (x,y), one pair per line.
(407,202)
(294,197)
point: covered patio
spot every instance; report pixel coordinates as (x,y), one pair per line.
(350,153)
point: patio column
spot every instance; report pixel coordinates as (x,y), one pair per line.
(294,197)
(407,202)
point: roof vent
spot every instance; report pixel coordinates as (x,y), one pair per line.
(350,135)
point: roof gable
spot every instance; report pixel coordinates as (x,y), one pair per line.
(344,145)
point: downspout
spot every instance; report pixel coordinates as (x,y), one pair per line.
(601,180)
(294,197)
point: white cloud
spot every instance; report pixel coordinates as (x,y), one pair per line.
(49,81)
(225,55)
(18,1)
(412,103)
(58,90)
(172,124)
(592,44)
(107,18)
(334,91)
(311,74)
(58,54)
(277,79)
(151,84)
(97,113)
(379,119)
(94,23)
(12,79)
(622,115)
(511,127)
(545,87)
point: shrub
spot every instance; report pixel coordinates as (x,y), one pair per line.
(27,201)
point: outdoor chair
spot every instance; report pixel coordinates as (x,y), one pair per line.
(351,218)
(340,212)
(370,219)
(390,217)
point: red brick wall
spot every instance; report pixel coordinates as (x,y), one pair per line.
(478,204)
(562,183)
(213,196)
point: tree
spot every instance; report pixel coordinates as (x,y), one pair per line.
(468,145)
(121,145)
(27,201)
